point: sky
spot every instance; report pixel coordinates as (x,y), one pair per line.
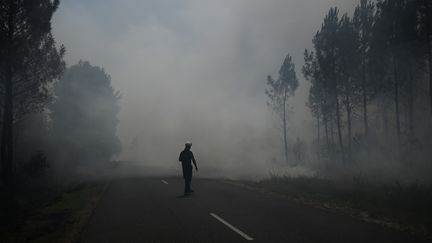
(196,70)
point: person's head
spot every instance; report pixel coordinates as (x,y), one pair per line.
(188,145)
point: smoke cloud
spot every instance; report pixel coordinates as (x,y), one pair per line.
(196,70)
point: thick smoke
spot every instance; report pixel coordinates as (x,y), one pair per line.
(196,70)
(83,120)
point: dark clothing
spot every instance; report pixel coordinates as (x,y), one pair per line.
(187,175)
(186,158)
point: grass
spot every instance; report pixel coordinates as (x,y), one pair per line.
(62,219)
(405,207)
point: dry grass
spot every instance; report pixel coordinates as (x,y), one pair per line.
(61,220)
(406,207)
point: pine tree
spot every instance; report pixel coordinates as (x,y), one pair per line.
(29,61)
(279,91)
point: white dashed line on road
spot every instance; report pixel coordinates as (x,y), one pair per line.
(247,237)
(164,182)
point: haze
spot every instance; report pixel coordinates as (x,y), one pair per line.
(195,70)
(308,121)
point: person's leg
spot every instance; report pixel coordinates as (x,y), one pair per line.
(185,177)
(188,178)
(187,187)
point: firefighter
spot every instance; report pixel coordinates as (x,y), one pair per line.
(187,158)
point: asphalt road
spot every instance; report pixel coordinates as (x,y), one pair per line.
(154,210)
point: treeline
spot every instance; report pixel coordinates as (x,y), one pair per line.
(371,82)
(50,116)
(29,62)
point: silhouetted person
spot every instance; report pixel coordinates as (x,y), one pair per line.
(186,158)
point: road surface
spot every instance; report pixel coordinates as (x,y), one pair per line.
(154,210)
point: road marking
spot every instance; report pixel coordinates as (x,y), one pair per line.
(164,181)
(247,237)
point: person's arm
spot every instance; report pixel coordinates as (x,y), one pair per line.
(194,161)
(180,156)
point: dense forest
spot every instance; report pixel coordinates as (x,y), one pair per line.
(371,88)
(54,119)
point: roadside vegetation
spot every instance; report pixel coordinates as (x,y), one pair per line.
(51,214)
(406,207)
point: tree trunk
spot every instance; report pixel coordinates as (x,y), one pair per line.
(396,100)
(411,104)
(429,49)
(338,123)
(319,138)
(385,120)
(7,141)
(428,44)
(332,132)
(7,136)
(364,101)
(326,132)
(318,130)
(285,127)
(348,110)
